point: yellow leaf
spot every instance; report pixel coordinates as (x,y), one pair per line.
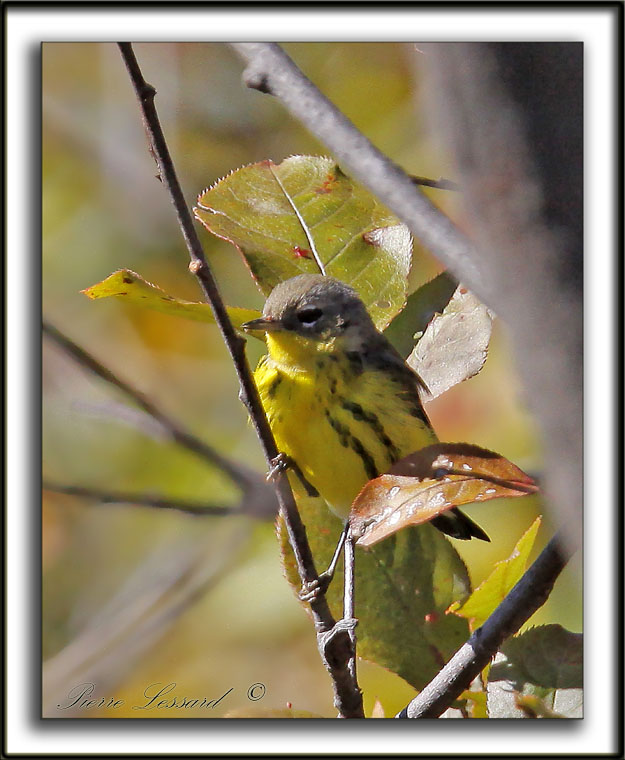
(495,588)
(476,703)
(134,289)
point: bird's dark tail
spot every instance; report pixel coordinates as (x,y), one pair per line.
(457,525)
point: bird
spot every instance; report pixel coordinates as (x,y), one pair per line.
(341,402)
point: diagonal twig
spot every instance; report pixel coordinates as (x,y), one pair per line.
(348,698)
(271,71)
(438,184)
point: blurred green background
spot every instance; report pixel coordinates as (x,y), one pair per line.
(133,596)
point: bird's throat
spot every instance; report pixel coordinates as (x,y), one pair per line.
(294,353)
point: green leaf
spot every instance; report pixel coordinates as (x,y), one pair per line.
(495,588)
(431,481)
(421,306)
(403,587)
(134,289)
(305,216)
(454,345)
(547,655)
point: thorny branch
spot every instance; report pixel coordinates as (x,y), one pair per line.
(337,651)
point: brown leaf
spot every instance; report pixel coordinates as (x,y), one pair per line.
(429,482)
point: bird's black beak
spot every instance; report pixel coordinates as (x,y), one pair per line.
(263,324)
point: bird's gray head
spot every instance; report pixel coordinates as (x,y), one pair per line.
(315,307)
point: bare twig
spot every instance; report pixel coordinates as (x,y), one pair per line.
(439,184)
(270,70)
(348,698)
(530,593)
(119,497)
(349,595)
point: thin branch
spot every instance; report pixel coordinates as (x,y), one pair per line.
(439,184)
(530,593)
(348,698)
(120,497)
(270,70)
(349,595)
(242,476)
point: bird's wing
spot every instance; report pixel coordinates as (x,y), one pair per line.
(382,356)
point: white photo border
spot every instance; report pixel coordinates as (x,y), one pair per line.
(597,26)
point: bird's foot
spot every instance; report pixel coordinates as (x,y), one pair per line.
(282,463)
(278,465)
(312,590)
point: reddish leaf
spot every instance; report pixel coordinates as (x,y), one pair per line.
(429,482)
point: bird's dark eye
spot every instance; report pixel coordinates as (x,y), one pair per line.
(309,316)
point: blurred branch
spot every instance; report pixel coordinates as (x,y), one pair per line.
(270,70)
(242,476)
(348,698)
(143,500)
(530,593)
(123,412)
(519,151)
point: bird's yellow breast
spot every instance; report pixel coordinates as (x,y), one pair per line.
(342,426)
